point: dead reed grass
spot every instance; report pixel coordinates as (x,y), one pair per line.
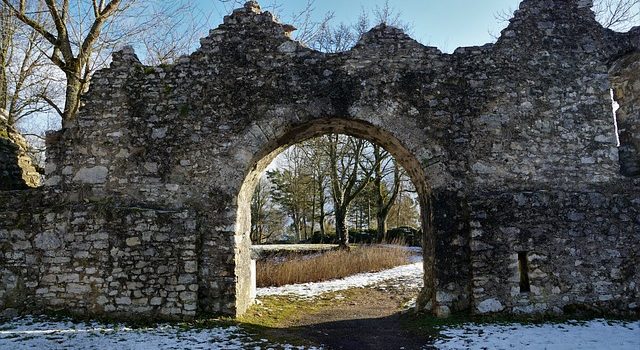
(298,268)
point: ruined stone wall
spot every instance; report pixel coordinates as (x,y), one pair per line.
(524,125)
(543,117)
(102,258)
(188,135)
(547,181)
(581,248)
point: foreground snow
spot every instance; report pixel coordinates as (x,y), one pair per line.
(408,276)
(33,333)
(593,335)
(29,333)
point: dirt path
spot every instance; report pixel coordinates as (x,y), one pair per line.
(364,319)
(370,322)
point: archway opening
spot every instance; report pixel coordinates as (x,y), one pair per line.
(374,141)
(334,189)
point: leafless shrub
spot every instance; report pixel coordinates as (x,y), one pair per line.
(618,14)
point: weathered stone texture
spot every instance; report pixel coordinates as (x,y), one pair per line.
(511,146)
(98,258)
(582,250)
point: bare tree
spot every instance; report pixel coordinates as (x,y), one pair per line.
(618,14)
(293,189)
(174,29)
(349,179)
(405,211)
(266,219)
(342,37)
(320,33)
(71,55)
(385,166)
(386,14)
(259,203)
(26,74)
(349,174)
(313,161)
(8,28)
(80,36)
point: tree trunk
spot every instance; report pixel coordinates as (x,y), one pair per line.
(368,213)
(321,222)
(321,217)
(322,229)
(398,223)
(305,229)
(296,225)
(313,214)
(381,230)
(4,94)
(6,25)
(72,99)
(342,230)
(381,220)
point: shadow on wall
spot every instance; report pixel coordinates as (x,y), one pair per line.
(10,173)
(17,169)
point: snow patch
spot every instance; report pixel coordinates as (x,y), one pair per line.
(593,335)
(408,275)
(31,333)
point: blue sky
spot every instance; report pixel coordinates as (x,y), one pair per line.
(447,24)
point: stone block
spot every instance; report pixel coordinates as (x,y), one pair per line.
(94,175)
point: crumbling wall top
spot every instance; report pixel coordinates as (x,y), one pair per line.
(243,23)
(634,35)
(125,57)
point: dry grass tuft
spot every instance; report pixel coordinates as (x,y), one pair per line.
(327,266)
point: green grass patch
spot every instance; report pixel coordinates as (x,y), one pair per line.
(283,311)
(274,316)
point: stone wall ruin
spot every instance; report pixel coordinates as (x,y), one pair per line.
(511,145)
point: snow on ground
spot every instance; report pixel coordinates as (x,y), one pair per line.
(592,335)
(39,334)
(407,276)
